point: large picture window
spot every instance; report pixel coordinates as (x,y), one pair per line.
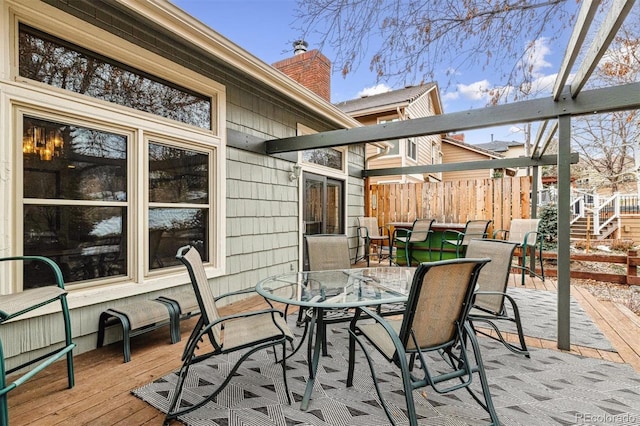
(75,198)
(76,202)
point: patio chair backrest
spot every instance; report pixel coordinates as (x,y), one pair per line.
(420,230)
(495,275)
(190,257)
(371,223)
(520,227)
(475,229)
(439,301)
(328,251)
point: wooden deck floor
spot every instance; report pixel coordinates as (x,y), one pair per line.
(103,382)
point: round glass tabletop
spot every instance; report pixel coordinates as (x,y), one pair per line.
(339,288)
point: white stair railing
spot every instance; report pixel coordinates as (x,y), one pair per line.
(605,213)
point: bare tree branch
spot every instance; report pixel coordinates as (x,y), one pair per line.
(412,41)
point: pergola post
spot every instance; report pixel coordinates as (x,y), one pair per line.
(564,231)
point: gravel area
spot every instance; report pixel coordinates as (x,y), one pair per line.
(627,295)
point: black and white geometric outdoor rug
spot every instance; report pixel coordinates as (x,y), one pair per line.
(550,388)
(539,318)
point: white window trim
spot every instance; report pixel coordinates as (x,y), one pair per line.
(38,96)
(401,148)
(317,168)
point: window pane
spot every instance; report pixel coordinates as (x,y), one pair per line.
(172,228)
(61,64)
(73,163)
(87,242)
(412,150)
(395,147)
(327,157)
(177,175)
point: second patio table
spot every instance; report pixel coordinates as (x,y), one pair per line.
(336,289)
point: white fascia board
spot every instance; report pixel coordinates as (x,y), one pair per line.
(178,22)
(380,109)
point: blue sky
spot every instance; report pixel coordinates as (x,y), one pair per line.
(264,29)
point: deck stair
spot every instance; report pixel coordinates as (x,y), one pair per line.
(584,225)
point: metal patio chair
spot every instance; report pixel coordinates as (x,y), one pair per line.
(435,321)
(327,252)
(420,232)
(247,332)
(489,303)
(460,240)
(372,235)
(17,304)
(524,232)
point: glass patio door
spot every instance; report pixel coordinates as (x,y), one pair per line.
(323,206)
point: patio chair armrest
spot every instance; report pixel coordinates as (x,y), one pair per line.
(54,266)
(400,232)
(236,293)
(450,235)
(222,320)
(363,232)
(384,228)
(503,232)
(513,304)
(536,238)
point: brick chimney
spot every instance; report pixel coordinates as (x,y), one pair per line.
(310,68)
(457,137)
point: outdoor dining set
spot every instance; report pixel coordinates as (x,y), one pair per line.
(404,312)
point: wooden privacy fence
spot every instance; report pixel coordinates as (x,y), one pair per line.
(452,202)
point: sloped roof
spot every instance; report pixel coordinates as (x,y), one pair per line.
(477,148)
(391,99)
(499,146)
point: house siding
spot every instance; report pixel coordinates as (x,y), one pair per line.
(262,204)
(423,107)
(453,154)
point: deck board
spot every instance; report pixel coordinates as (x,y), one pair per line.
(102,395)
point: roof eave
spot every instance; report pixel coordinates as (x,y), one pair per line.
(197,33)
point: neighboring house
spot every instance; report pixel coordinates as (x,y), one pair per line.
(455,150)
(509,149)
(397,105)
(130,128)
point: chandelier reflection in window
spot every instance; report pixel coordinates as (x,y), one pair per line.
(43,143)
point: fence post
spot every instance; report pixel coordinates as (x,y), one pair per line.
(632,267)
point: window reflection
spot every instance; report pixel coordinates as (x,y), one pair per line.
(177,175)
(171,228)
(87,242)
(90,164)
(53,61)
(327,157)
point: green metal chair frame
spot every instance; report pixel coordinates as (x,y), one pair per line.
(369,231)
(524,232)
(435,320)
(17,304)
(489,301)
(420,232)
(248,332)
(460,240)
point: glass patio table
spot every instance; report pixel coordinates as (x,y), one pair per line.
(336,289)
